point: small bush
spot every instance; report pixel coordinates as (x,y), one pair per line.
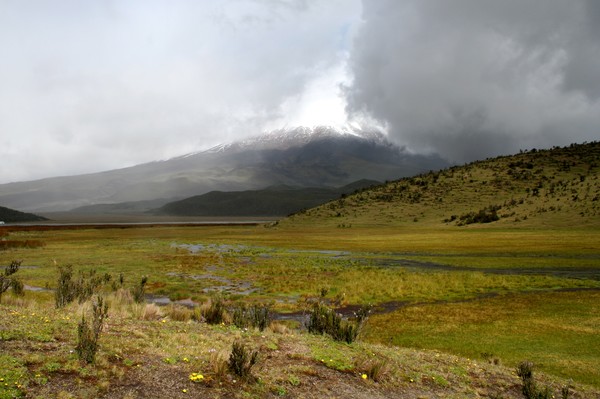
(565,391)
(324,320)
(88,335)
(214,311)
(486,215)
(256,316)
(241,360)
(139,292)
(86,285)
(530,389)
(65,290)
(7,279)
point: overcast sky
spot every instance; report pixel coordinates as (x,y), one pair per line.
(87,86)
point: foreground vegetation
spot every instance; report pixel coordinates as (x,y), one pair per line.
(497,313)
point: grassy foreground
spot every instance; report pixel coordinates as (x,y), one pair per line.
(485,294)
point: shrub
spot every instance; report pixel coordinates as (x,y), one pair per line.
(7,279)
(86,285)
(324,320)
(486,215)
(139,292)
(214,311)
(530,389)
(88,335)
(241,360)
(256,316)
(65,290)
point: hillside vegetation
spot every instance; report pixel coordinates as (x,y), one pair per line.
(555,187)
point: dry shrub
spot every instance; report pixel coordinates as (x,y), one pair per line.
(122,297)
(278,328)
(19,301)
(219,363)
(213,311)
(179,313)
(122,305)
(88,332)
(376,368)
(151,312)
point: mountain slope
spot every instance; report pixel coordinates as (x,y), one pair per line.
(271,201)
(555,187)
(298,157)
(8,215)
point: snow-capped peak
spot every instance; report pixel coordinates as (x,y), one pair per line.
(290,137)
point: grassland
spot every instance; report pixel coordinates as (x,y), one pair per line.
(449,310)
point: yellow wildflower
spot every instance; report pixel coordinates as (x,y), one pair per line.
(196,377)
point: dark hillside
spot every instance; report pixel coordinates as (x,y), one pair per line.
(278,200)
(8,215)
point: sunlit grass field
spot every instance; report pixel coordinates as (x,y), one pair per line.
(474,299)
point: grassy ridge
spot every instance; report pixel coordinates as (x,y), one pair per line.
(539,188)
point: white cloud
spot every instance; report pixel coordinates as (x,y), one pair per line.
(101,85)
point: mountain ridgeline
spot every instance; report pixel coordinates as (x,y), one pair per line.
(554,187)
(301,157)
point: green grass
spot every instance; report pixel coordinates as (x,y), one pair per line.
(557,331)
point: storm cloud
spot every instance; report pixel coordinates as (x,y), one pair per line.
(474,78)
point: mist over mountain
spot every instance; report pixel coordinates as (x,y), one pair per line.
(299,157)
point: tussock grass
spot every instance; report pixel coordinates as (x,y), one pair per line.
(151,311)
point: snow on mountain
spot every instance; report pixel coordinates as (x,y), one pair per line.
(286,138)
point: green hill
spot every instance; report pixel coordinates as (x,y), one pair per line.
(553,187)
(8,215)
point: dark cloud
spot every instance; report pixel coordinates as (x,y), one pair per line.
(474,78)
